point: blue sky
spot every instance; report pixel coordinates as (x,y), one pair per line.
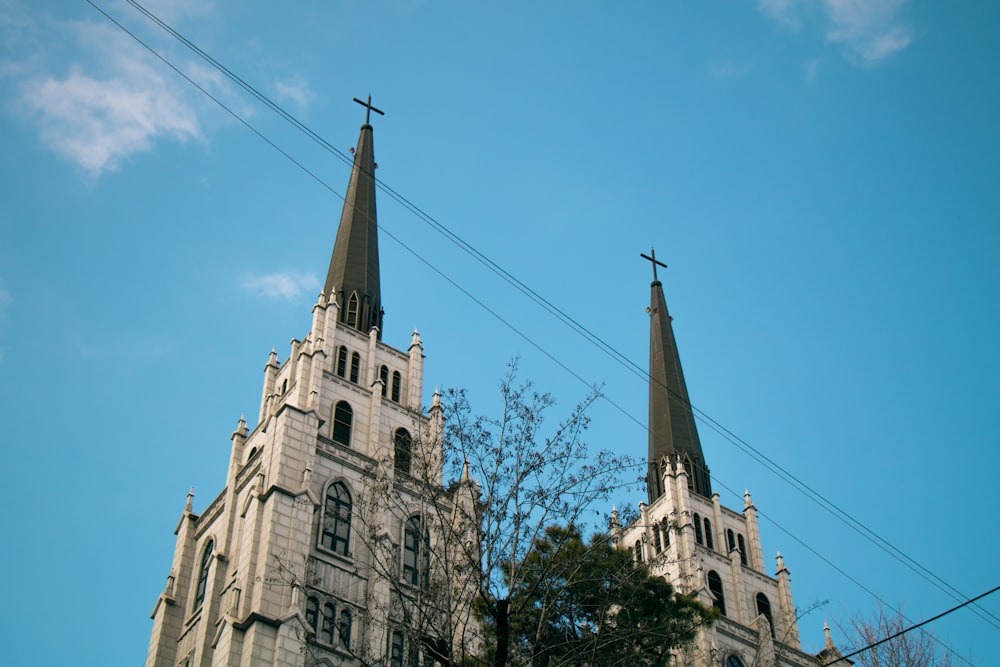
(819,175)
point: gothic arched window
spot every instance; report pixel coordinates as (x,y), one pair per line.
(764,608)
(730,540)
(709,540)
(312,611)
(397,380)
(638,552)
(396,649)
(743,549)
(355,366)
(383,375)
(342,361)
(690,473)
(715,587)
(343,416)
(657,544)
(329,623)
(206,565)
(416,553)
(403,444)
(336,531)
(344,629)
(665,529)
(697,529)
(352,310)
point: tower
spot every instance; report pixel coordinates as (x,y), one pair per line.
(321,548)
(701,547)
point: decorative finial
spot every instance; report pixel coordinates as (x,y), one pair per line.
(190,497)
(369,108)
(652,258)
(827,639)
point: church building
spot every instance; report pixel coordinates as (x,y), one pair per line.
(320,548)
(704,549)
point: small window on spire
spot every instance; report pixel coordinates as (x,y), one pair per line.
(352,310)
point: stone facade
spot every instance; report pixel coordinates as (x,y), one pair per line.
(322,543)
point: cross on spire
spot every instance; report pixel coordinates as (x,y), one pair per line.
(652,258)
(369,108)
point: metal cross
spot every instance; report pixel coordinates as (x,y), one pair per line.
(652,258)
(369,108)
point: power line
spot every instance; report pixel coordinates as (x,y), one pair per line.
(915,626)
(597,341)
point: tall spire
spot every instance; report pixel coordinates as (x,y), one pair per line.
(672,431)
(353,278)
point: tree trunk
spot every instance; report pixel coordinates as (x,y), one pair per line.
(503,633)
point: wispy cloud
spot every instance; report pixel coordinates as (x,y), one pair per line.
(871,29)
(280,285)
(867,30)
(97,123)
(107,100)
(295,89)
(783,11)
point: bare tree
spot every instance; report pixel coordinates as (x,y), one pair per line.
(456,552)
(890,646)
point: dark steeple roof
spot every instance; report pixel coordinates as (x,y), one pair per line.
(673,435)
(354,265)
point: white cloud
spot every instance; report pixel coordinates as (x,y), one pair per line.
(97,123)
(295,89)
(783,11)
(868,30)
(109,99)
(280,285)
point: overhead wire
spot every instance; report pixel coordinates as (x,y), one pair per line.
(620,358)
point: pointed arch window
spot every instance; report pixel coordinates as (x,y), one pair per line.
(206,565)
(697,529)
(764,608)
(329,623)
(665,529)
(730,540)
(342,361)
(383,375)
(352,310)
(312,611)
(396,649)
(709,540)
(689,469)
(657,544)
(343,416)
(397,380)
(336,532)
(355,366)
(416,552)
(743,549)
(403,450)
(715,587)
(344,629)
